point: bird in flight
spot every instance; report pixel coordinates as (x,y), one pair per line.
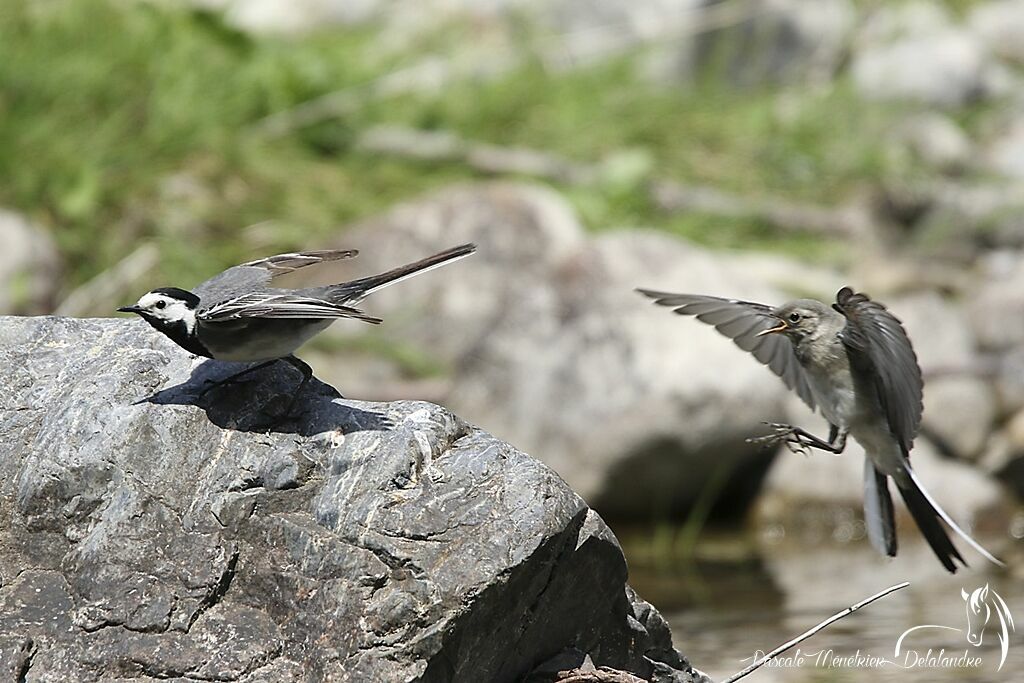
(854,362)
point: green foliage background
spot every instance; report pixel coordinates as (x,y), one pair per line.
(124,121)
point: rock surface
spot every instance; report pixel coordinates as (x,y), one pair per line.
(150,531)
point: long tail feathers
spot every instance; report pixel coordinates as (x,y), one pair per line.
(927,519)
(878,512)
(925,503)
(356,290)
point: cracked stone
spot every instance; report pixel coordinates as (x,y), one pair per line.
(148,533)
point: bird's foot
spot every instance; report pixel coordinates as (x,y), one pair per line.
(785,433)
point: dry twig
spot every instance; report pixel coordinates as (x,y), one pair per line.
(810,632)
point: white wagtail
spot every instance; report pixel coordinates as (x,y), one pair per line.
(854,362)
(238,316)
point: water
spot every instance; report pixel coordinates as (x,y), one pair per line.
(739,599)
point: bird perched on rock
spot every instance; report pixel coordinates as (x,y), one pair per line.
(239,316)
(854,362)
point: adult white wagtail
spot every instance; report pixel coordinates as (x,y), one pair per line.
(854,362)
(238,316)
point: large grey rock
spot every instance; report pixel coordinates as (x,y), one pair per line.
(948,69)
(1006,148)
(153,531)
(1004,454)
(29,266)
(959,405)
(937,140)
(293,16)
(783,41)
(776,41)
(1000,24)
(912,51)
(549,346)
(996,311)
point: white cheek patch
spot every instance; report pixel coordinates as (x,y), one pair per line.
(188,316)
(174,310)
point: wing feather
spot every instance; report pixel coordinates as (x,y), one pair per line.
(288,263)
(741,321)
(280,305)
(258,274)
(881,353)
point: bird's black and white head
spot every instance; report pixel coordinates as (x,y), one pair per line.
(166,307)
(171,311)
(802,319)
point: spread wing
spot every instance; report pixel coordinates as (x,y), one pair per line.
(258,274)
(741,321)
(880,353)
(279,305)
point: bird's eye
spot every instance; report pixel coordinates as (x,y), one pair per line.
(794,317)
(161,304)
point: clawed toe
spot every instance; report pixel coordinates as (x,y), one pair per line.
(785,433)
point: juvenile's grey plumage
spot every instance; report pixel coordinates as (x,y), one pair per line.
(854,362)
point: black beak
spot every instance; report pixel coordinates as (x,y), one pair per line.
(130,309)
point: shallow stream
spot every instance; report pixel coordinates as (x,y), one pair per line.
(737,600)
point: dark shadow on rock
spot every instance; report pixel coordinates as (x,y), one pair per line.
(256,402)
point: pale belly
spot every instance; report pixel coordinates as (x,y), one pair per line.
(837,403)
(258,339)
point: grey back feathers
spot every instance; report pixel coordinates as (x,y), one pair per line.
(259,274)
(244,291)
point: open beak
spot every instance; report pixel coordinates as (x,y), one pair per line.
(130,309)
(783,326)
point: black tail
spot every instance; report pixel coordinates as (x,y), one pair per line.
(353,291)
(879,518)
(927,519)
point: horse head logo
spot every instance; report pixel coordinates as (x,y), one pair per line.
(981,604)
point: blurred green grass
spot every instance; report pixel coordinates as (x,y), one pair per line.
(122,122)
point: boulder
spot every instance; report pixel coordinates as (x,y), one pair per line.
(29,266)
(293,17)
(913,51)
(548,344)
(155,525)
(1000,24)
(947,69)
(959,404)
(780,41)
(937,140)
(996,313)
(1005,149)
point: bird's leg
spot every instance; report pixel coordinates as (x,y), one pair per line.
(799,440)
(214,383)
